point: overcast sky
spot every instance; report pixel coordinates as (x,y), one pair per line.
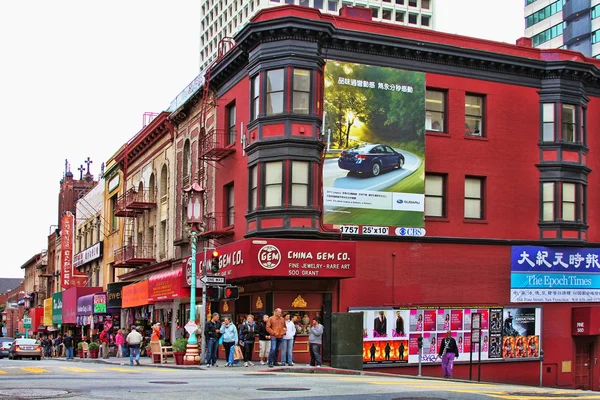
(76,77)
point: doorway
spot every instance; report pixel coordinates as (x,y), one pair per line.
(584,356)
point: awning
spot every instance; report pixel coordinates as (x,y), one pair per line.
(136,295)
(167,285)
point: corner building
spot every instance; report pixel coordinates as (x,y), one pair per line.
(509,177)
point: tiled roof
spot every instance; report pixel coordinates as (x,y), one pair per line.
(7,284)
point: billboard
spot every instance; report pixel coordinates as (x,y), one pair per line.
(373,172)
(554,274)
(390,336)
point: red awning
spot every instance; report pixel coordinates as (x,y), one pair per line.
(167,285)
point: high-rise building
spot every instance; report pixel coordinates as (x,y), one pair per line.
(564,24)
(223,18)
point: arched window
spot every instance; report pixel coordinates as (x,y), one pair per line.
(152,188)
(187,163)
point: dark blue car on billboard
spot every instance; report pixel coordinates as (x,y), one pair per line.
(370,159)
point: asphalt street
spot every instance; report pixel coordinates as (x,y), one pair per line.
(51,379)
(333,176)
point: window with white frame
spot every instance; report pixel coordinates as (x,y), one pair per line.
(253,187)
(569,202)
(273,183)
(300,183)
(301,96)
(435,188)
(275,91)
(548,201)
(474,115)
(474,197)
(569,133)
(548,122)
(435,107)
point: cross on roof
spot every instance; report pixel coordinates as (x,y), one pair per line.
(88,162)
(81,169)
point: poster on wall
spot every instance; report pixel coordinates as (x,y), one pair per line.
(373,175)
(391,336)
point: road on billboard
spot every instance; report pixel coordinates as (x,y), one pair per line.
(335,177)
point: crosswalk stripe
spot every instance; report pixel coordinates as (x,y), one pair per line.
(130,370)
(75,369)
(34,370)
(156,369)
(3,372)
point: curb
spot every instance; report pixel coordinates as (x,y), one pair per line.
(101,361)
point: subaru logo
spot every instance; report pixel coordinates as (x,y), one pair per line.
(399,201)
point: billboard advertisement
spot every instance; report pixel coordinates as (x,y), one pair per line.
(373,173)
(390,336)
(554,274)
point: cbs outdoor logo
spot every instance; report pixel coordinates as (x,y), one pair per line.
(269,256)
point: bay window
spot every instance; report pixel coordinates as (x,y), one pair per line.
(301,96)
(548,201)
(569,133)
(275,91)
(548,122)
(253,188)
(273,183)
(300,183)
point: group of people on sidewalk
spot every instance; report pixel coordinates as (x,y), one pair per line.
(276,333)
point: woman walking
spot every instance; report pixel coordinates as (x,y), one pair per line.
(448,352)
(119,341)
(248,332)
(230,336)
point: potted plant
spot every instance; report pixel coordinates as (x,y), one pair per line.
(179,348)
(80,349)
(94,348)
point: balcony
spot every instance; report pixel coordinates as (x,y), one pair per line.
(218,225)
(574,8)
(135,201)
(134,255)
(217,144)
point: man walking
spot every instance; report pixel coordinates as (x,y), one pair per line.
(315,339)
(133,340)
(448,352)
(104,339)
(276,328)
(212,331)
(68,343)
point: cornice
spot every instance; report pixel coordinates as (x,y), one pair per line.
(429,56)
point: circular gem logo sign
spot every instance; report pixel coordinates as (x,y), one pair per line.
(269,256)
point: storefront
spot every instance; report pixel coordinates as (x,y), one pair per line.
(165,290)
(137,308)
(92,316)
(115,301)
(299,276)
(57,308)
(69,307)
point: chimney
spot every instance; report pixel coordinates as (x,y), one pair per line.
(525,42)
(355,12)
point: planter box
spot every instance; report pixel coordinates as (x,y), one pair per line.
(179,357)
(94,353)
(80,353)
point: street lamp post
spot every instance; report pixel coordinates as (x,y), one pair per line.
(194,217)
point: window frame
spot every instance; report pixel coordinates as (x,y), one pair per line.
(292,184)
(306,92)
(255,97)
(573,124)
(544,201)
(549,123)
(266,185)
(229,193)
(481,198)
(444,94)
(443,196)
(270,93)
(114,226)
(253,188)
(231,111)
(574,203)
(482,127)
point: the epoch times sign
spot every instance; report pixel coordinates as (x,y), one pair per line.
(554,274)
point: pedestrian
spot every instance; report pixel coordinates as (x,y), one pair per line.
(119,341)
(155,332)
(448,352)
(48,347)
(104,340)
(287,345)
(230,337)
(179,332)
(212,332)
(264,340)
(276,328)
(133,340)
(315,338)
(58,346)
(68,343)
(248,332)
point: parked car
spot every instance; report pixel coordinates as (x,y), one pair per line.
(5,343)
(370,159)
(29,348)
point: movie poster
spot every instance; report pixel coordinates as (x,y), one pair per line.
(495,350)
(443,320)
(400,323)
(521,327)
(496,321)
(385,351)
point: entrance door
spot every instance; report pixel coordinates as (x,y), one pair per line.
(584,352)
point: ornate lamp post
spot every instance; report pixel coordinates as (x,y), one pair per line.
(195,213)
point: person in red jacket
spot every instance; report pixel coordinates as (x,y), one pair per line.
(104,340)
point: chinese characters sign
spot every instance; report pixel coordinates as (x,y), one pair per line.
(548,274)
(66,241)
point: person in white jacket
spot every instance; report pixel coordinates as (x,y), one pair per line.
(287,344)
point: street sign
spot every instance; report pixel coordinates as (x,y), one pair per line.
(213,280)
(26,323)
(476,321)
(476,336)
(191,327)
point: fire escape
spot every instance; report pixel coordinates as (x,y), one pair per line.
(130,205)
(214,145)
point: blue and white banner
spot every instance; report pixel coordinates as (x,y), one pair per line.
(554,274)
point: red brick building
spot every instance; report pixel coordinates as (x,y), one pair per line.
(510,163)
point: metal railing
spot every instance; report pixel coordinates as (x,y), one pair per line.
(133,253)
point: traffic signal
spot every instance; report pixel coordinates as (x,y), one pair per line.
(213,293)
(420,342)
(231,293)
(214,265)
